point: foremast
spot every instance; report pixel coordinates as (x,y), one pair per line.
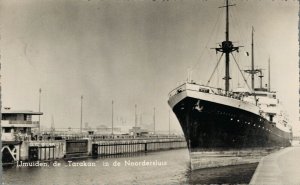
(227,47)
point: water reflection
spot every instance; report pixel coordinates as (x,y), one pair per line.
(240,174)
(115,171)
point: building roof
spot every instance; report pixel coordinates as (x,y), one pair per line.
(28,112)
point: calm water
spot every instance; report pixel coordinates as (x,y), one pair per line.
(167,167)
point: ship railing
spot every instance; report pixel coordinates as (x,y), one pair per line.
(178,89)
(207,89)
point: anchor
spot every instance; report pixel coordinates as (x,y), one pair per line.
(198,107)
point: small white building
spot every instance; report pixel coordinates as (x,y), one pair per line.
(138,131)
(17,125)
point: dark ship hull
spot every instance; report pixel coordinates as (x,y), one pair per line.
(229,127)
(220,127)
(221,130)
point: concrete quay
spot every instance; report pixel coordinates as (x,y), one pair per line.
(279,168)
(78,147)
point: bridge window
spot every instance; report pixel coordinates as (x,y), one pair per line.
(7,130)
(28,117)
(204,90)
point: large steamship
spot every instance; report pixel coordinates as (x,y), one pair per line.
(227,123)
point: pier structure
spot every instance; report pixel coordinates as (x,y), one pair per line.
(281,167)
(119,147)
(18,124)
(21,141)
(16,127)
(88,146)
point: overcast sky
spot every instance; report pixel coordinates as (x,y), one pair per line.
(135,52)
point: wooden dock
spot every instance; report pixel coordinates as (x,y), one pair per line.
(281,167)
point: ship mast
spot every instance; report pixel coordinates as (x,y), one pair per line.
(252,60)
(227,47)
(252,71)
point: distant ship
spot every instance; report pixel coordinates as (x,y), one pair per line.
(222,125)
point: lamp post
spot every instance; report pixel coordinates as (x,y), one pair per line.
(112,117)
(40,93)
(135,116)
(154,120)
(81,99)
(169,124)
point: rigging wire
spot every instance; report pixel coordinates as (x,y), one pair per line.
(218,82)
(236,24)
(237,72)
(241,72)
(236,30)
(209,39)
(257,41)
(240,32)
(214,70)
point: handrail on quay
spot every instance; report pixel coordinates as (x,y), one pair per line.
(99,137)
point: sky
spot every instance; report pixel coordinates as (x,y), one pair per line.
(136,52)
